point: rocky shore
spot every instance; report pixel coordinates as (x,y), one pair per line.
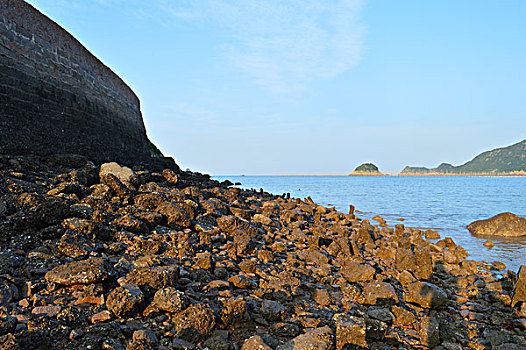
(113,258)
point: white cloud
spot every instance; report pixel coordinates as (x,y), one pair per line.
(282,45)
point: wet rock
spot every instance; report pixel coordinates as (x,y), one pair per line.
(426,295)
(194,324)
(355,272)
(125,301)
(79,272)
(505,224)
(315,339)
(519,292)
(350,331)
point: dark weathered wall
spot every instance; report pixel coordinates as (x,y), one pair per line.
(56,97)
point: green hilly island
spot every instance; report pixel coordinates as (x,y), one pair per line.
(505,160)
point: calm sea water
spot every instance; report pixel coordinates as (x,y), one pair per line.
(446,204)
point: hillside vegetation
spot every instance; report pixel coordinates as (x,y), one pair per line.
(505,160)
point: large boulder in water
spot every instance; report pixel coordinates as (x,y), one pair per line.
(505,224)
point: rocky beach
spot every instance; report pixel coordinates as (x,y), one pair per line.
(108,257)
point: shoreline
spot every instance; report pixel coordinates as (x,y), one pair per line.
(160,259)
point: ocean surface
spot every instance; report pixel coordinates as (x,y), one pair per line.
(443,203)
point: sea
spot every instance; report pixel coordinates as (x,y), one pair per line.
(446,204)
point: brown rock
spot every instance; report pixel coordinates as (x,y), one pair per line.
(426,295)
(79,272)
(49,311)
(102,316)
(195,323)
(403,317)
(505,224)
(322,297)
(124,301)
(255,343)
(379,292)
(315,339)
(171,300)
(429,331)
(350,331)
(519,291)
(355,272)
(156,277)
(405,260)
(170,176)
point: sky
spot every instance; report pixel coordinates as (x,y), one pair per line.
(231,87)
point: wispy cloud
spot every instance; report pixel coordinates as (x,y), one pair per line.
(282,45)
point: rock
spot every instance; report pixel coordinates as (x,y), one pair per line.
(403,317)
(429,331)
(194,324)
(350,331)
(426,295)
(505,224)
(519,291)
(430,234)
(489,244)
(379,292)
(355,272)
(315,339)
(145,334)
(49,311)
(170,176)
(255,343)
(7,324)
(102,316)
(272,310)
(79,272)
(155,277)
(125,301)
(122,173)
(171,300)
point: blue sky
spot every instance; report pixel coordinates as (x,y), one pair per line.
(314,86)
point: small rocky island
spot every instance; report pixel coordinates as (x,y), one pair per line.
(366,169)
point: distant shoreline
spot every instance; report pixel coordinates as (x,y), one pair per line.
(519,174)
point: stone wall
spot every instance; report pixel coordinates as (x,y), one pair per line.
(56,97)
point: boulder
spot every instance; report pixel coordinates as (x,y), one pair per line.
(505,224)
(79,272)
(426,295)
(124,301)
(122,173)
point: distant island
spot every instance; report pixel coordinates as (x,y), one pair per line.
(366,169)
(509,160)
